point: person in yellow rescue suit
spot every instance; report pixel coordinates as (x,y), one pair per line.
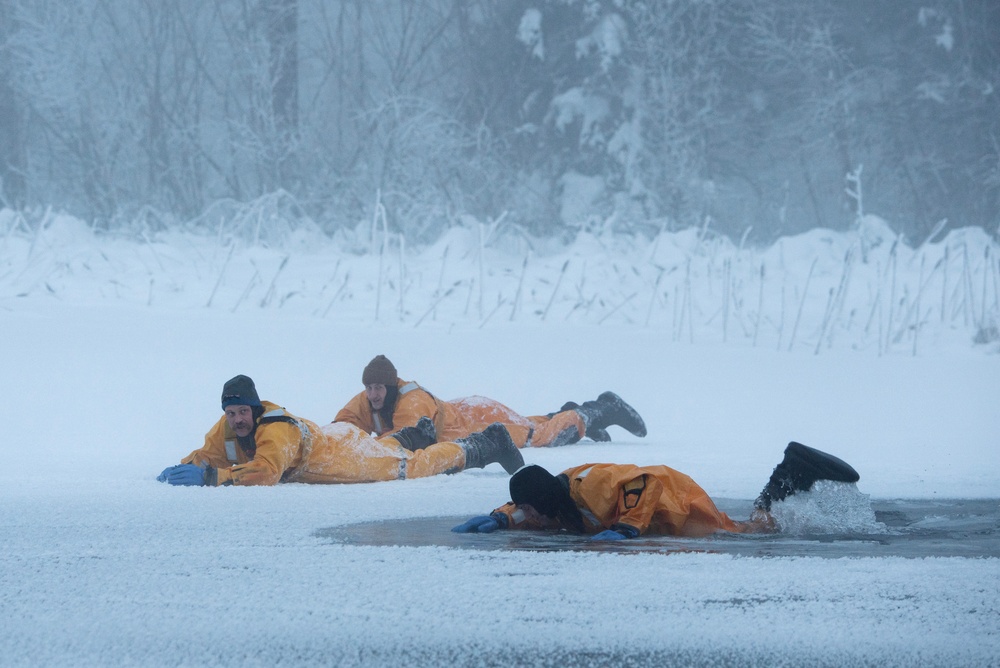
(259,443)
(617,501)
(388,403)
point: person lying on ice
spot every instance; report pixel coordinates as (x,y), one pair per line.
(259,443)
(618,501)
(388,403)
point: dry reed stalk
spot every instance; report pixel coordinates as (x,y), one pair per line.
(617,308)
(270,288)
(555,290)
(892,291)
(802,303)
(343,285)
(440,298)
(652,297)
(827,313)
(760,305)
(246,290)
(520,286)
(222,272)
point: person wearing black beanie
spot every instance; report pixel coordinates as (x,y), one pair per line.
(618,501)
(260,443)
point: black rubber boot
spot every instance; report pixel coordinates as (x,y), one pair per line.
(491,445)
(418,437)
(800,468)
(610,409)
(593,433)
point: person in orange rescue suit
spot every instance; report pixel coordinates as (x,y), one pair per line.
(260,443)
(617,501)
(388,403)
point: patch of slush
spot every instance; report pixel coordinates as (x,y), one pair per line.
(829,508)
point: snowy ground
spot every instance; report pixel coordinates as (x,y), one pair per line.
(102,565)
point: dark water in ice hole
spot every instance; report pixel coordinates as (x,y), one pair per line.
(900,528)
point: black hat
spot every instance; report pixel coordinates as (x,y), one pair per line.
(546,493)
(239,391)
(380,371)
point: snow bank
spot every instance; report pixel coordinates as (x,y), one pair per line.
(818,291)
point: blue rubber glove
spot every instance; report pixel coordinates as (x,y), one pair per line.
(186,474)
(482,524)
(608,534)
(618,531)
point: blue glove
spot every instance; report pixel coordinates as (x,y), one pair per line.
(618,531)
(608,534)
(186,474)
(482,524)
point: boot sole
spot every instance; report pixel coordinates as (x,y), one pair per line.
(636,425)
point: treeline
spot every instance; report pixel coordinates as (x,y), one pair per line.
(753,118)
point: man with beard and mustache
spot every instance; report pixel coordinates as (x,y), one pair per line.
(259,443)
(388,403)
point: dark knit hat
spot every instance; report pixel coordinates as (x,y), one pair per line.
(544,492)
(239,391)
(380,371)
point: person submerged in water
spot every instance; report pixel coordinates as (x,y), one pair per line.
(620,501)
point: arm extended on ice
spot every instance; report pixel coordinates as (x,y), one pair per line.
(483,524)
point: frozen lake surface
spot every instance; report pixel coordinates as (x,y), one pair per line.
(114,370)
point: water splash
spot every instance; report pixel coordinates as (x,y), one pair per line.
(828,508)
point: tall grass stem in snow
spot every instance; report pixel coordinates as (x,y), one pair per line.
(246,291)
(555,290)
(987,262)
(222,273)
(343,286)
(617,308)
(439,298)
(802,303)
(727,268)
(944,284)
(269,294)
(760,305)
(837,310)
(520,287)
(652,296)
(402,274)
(827,312)
(482,270)
(995,271)
(379,216)
(920,290)
(894,262)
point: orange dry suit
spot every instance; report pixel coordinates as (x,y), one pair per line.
(647,499)
(460,417)
(287,448)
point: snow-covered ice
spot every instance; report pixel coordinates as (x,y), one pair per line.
(113,368)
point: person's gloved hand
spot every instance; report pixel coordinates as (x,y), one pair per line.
(617,531)
(186,474)
(608,534)
(482,524)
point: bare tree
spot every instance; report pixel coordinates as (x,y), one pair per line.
(12,140)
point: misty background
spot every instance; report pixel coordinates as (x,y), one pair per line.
(753,119)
